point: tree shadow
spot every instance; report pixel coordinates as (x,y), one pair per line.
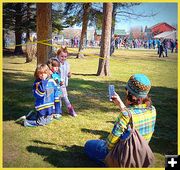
(103,134)
(163,146)
(112,122)
(80,74)
(9,69)
(16,63)
(73,54)
(69,156)
(41,142)
(17,95)
(7,52)
(18,100)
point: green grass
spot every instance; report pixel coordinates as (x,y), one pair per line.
(60,144)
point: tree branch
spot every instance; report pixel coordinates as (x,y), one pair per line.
(120,13)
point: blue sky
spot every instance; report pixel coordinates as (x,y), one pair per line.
(167,12)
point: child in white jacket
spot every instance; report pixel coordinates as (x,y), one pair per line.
(62,54)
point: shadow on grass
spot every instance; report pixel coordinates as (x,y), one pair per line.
(110,122)
(70,156)
(17,95)
(9,69)
(18,100)
(10,52)
(103,134)
(41,142)
(73,54)
(79,74)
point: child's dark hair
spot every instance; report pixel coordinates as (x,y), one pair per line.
(62,49)
(53,62)
(41,68)
(136,101)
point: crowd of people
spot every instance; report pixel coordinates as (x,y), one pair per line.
(127,43)
(147,44)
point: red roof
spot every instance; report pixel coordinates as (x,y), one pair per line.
(161,27)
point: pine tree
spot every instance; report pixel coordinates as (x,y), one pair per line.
(103,68)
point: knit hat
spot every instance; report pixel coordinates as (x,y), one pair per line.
(138,85)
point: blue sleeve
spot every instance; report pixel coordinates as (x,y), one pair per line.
(39,88)
(56,94)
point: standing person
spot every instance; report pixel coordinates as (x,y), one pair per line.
(143,113)
(161,49)
(54,66)
(116,42)
(62,55)
(45,92)
(149,43)
(158,45)
(153,43)
(164,44)
(125,42)
(176,46)
(172,45)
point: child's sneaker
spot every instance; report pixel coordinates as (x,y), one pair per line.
(31,115)
(26,124)
(21,120)
(57,116)
(71,111)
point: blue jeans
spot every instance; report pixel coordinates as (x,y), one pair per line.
(39,118)
(58,107)
(96,150)
(40,121)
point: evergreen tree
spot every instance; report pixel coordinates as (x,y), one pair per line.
(103,68)
(19,18)
(44,31)
(81,14)
(57,17)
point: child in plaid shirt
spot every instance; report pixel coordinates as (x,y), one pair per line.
(143,113)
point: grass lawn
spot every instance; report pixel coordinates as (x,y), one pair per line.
(60,144)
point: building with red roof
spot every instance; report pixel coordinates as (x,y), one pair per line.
(161,27)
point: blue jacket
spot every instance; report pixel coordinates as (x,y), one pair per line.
(57,78)
(45,93)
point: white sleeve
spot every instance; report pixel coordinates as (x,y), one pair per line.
(68,67)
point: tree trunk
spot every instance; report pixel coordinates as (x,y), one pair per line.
(44,31)
(86,7)
(103,68)
(112,44)
(112,47)
(4,39)
(18,29)
(28,19)
(31,50)
(29,55)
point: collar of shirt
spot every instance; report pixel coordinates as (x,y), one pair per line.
(139,106)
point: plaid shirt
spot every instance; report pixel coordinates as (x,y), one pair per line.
(144,121)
